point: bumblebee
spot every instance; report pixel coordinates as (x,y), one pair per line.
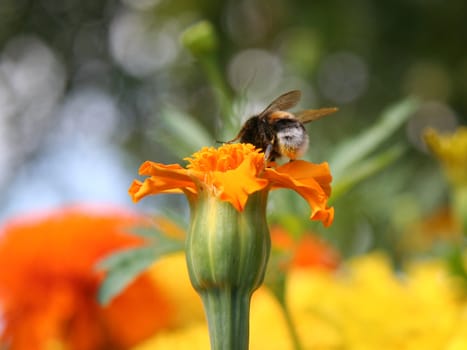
(278,132)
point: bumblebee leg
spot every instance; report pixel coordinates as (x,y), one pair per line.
(267,152)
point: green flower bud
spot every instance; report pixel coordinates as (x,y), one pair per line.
(227,252)
(200,39)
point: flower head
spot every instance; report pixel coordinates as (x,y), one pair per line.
(451,150)
(48,283)
(232,173)
(228,244)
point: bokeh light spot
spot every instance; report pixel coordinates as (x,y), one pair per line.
(343,77)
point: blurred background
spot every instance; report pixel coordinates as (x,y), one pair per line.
(89,89)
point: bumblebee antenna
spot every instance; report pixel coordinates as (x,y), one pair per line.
(229,142)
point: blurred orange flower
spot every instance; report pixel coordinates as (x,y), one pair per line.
(48,283)
(232,172)
(307,252)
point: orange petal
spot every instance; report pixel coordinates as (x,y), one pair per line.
(163,179)
(311,181)
(236,185)
(170,171)
(149,168)
(150,186)
(302,171)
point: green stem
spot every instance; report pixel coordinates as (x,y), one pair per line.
(460,206)
(221,89)
(291,327)
(278,288)
(277,285)
(227,310)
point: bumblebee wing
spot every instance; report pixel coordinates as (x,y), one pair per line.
(283,102)
(310,115)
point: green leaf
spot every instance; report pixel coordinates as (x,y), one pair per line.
(366,169)
(351,151)
(456,264)
(184,135)
(125,266)
(146,232)
(156,236)
(153,234)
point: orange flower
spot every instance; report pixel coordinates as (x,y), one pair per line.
(228,243)
(233,172)
(48,283)
(307,252)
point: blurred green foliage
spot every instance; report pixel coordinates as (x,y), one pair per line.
(362,57)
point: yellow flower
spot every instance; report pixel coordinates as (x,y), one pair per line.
(365,305)
(233,172)
(368,306)
(451,150)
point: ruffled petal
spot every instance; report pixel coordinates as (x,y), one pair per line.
(236,185)
(163,178)
(151,186)
(302,171)
(233,172)
(170,171)
(311,181)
